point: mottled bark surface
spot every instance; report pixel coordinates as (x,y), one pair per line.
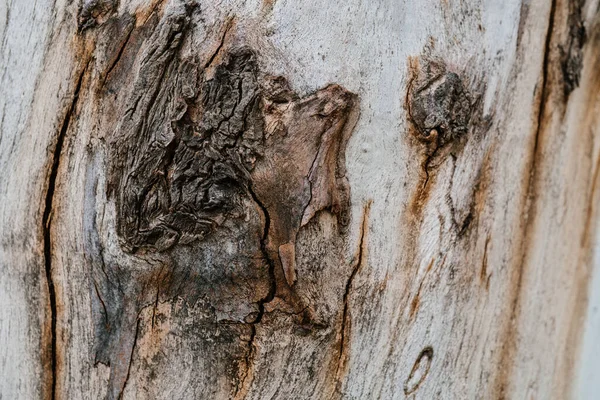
(251,199)
(213,169)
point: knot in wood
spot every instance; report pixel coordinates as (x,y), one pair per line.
(440,108)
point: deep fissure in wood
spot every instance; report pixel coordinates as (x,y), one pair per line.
(47,229)
(349,284)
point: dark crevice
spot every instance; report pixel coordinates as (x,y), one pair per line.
(571,54)
(427,163)
(426,181)
(107,324)
(484,263)
(221,44)
(349,283)
(46,226)
(263,245)
(272,290)
(449,200)
(544,96)
(310,184)
(119,55)
(465,224)
(530,193)
(414,304)
(135,338)
(155,306)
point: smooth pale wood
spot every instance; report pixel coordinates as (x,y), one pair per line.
(499,311)
(36,72)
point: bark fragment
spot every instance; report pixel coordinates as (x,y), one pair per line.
(213,169)
(571,52)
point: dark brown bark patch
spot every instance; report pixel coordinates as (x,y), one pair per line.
(213,169)
(571,51)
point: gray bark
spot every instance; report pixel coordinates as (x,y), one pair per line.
(299,199)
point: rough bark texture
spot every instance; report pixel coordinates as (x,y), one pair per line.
(299,199)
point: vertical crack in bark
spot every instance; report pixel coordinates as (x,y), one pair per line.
(156,299)
(135,338)
(509,339)
(483,275)
(263,246)
(47,221)
(119,55)
(269,297)
(346,299)
(544,95)
(531,195)
(102,303)
(221,43)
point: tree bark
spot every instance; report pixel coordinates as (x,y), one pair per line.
(299,199)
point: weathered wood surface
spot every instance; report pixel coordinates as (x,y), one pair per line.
(299,199)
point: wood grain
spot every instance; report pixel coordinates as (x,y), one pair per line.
(299,199)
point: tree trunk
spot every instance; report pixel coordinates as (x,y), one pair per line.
(299,199)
